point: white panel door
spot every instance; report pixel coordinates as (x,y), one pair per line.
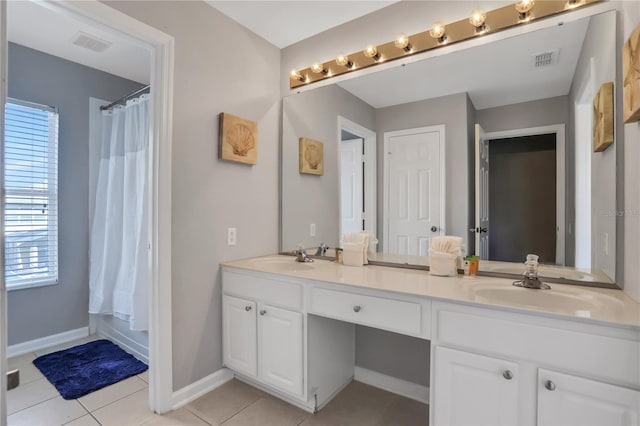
(472,389)
(351,181)
(239,333)
(280,348)
(414,192)
(482,194)
(569,400)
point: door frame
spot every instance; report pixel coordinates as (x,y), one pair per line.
(559,130)
(161,49)
(440,128)
(369,144)
(3,289)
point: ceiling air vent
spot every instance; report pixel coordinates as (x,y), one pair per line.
(545,59)
(90,42)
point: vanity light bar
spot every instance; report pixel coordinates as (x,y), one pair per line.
(496,20)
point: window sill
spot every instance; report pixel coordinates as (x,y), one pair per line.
(24,286)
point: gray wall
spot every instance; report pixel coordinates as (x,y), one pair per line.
(37,77)
(308,199)
(598,62)
(452,112)
(213,75)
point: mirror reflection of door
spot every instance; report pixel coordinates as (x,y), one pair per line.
(413,189)
(526,192)
(352,182)
(482,194)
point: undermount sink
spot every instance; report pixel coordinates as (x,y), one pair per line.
(580,302)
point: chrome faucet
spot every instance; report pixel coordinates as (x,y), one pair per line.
(322,250)
(301,255)
(530,279)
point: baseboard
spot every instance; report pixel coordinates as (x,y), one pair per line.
(392,384)
(195,390)
(106,330)
(46,342)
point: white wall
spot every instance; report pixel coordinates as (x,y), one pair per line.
(219,67)
(631,211)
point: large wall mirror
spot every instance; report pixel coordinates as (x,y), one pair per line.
(491,143)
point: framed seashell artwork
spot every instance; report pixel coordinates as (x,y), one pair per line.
(238,139)
(631,75)
(311,157)
(603,118)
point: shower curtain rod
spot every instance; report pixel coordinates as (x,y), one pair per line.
(125,97)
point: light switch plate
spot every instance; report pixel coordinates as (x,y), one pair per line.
(231,236)
(312,230)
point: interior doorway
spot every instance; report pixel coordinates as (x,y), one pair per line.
(357,165)
(526,195)
(160,49)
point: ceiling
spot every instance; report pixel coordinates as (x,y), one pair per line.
(284,23)
(493,74)
(35,26)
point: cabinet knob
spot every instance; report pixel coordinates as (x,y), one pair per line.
(507,374)
(247,308)
(357,308)
(550,385)
(262,312)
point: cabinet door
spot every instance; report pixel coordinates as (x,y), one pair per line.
(280,348)
(471,389)
(569,400)
(239,335)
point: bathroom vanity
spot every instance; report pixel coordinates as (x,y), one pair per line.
(500,355)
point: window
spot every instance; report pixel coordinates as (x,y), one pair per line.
(31,195)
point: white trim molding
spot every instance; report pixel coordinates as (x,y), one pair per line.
(47,342)
(391,384)
(559,131)
(161,48)
(370,172)
(203,386)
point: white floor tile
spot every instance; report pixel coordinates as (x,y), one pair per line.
(56,411)
(106,396)
(179,417)
(67,345)
(144,376)
(132,410)
(29,373)
(17,361)
(30,394)
(85,420)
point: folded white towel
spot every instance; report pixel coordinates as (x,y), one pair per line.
(446,244)
(361,238)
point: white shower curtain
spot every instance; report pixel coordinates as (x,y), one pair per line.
(119,255)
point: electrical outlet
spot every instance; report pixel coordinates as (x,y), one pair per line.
(231,236)
(312,230)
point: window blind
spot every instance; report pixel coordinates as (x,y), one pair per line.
(31,194)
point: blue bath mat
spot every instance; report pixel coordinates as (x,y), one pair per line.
(86,368)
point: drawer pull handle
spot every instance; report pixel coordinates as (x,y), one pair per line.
(262,312)
(507,374)
(550,385)
(247,308)
(357,308)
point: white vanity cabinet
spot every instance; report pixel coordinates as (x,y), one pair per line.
(474,389)
(498,367)
(564,399)
(263,331)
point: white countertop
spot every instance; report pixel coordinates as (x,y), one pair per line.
(573,301)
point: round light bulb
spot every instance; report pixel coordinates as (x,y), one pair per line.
(317,67)
(437,30)
(478,17)
(342,60)
(370,51)
(295,75)
(524,6)
(401,41)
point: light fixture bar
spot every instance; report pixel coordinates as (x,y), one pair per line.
(497,20)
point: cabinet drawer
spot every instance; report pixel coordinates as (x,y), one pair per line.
(276,293)
(388,314)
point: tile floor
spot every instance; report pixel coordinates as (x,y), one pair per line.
(37,403)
